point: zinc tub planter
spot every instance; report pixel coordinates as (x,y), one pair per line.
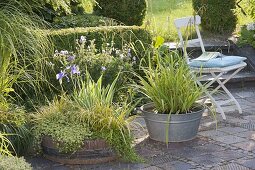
(179,128)
(93,152)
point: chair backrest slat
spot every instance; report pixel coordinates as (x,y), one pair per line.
(186,22)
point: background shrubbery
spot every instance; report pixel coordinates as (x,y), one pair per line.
(129,12)
(64,39)
(217,15)
(48,9)
(85,20)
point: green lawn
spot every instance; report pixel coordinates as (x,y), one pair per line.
(161,14)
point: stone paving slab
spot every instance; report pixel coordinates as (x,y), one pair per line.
(245,94)
(231,166)
(232,130)
(176,165)
(152,168)
(247,145)
(247,135)
(250,118)
(229,155)
(212,133)
(207,160)
(229,139)
(236,120)
(249,110)
(209,148)
(250,163)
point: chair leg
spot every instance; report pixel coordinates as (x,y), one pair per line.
(213,100)
(221,85)
(226,80)
(218,106)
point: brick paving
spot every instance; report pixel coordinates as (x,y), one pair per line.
(225,145)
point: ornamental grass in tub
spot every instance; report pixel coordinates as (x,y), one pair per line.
(170,84)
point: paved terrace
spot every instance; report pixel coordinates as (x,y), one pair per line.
(229,146)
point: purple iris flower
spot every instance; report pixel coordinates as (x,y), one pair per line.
(60,75)
(75,69)
(71,58)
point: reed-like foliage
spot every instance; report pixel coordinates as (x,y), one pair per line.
(14,121)
(5,145)
(23,50)
(170,84)
(107,119)
(90,93)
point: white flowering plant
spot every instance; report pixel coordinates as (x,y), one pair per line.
(247,35)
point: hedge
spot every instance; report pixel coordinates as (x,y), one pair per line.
(64,39)
(129,12)
(85,20)
(217,15)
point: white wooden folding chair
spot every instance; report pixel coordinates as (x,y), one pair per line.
(216,72)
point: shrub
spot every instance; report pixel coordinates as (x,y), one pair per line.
(217,15)
(85,20)
(119,35)
(13,121)
(247,35)
(247,7)
(48,9)
(7,163)
(129,12)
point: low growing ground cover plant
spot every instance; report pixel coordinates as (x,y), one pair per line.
(11,162)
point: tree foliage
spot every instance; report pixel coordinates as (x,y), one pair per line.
(48,9)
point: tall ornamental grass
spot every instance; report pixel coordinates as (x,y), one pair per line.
(170,84)
(24,48)
(23,51)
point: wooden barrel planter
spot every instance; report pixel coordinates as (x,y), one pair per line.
(93,152)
